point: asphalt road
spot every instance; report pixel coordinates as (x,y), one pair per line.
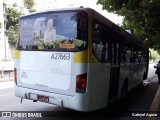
(138,100)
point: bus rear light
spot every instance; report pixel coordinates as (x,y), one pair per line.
(15,75)
(81,83)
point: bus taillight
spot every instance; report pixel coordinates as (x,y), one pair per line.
(15,75)
(81,83)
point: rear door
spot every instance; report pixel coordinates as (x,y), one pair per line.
(115,67)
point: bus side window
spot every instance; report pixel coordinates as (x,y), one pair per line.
(134,57)
(140,57)
(106,49)
(144,56)
(104,52)
(99,45)
(127,54)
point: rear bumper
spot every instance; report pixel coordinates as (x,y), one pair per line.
(77,102)
(31,94)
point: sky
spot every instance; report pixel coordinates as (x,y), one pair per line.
(77,3)
(92,4)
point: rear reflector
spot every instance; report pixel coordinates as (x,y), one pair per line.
(15,75)
(81,83)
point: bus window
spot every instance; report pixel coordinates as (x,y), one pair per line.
(59,31)
(134,57)
(127,54)
(117,53)
(145,56)
(100,44)
(140,56)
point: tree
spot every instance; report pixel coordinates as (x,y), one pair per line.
(12,33)
(29,4)
(12,16)
(32,10)
(12,25)
(142,16)
(154,54)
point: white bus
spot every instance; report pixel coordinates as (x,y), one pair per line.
(77,59)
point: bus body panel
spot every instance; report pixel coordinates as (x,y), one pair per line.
(134,72)
(41,70)
(98,88)
(62,96)
(77,102)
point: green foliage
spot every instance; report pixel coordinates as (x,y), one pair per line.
(12,16)
(142,16)
(29,3)
(154,54)
(12,25)
(12,33)
(32,10)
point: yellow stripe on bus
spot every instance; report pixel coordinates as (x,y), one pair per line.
(17,54)
(81,57)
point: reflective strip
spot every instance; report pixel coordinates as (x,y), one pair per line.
(17,54)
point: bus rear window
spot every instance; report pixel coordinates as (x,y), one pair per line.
(60,31)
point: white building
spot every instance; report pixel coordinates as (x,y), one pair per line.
(5,51)
(3,39)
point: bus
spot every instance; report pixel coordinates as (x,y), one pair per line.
(77,59)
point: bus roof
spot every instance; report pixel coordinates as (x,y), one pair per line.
(57,10)
(118,29)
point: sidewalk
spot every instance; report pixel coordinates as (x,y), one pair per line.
(155,106)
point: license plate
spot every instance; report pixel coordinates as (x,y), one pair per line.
(42,98)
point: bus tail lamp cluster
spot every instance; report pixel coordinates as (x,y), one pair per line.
(81,83)
(15,75)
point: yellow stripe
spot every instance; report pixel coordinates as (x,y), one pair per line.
(17,54)
(81,57)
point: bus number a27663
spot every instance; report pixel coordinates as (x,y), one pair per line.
(60,56)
